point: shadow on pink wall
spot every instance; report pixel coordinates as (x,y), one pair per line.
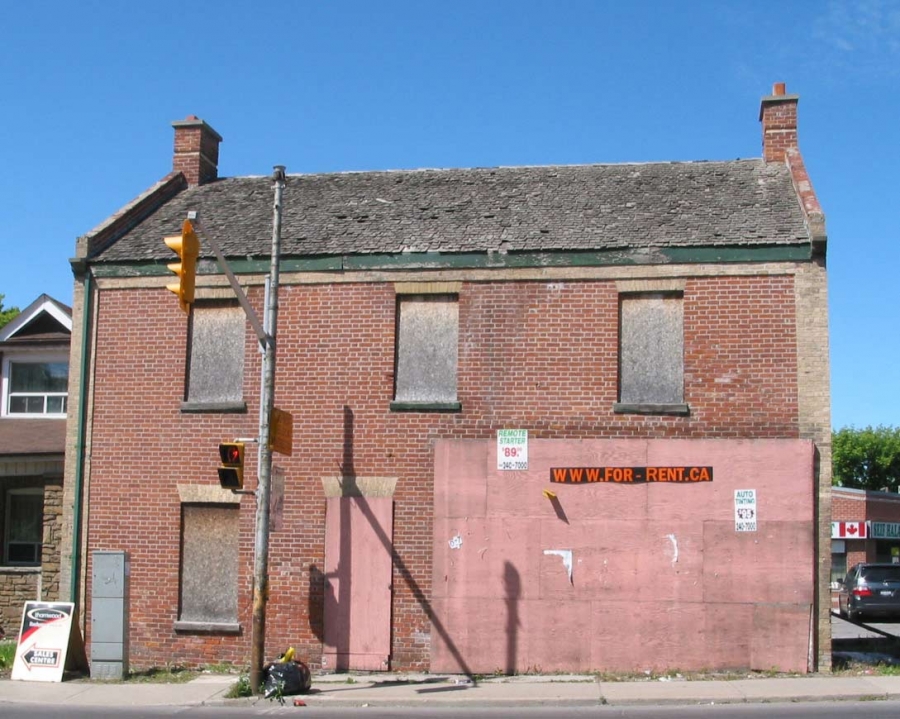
(612,577)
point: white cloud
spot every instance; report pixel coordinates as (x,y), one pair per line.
(859,35)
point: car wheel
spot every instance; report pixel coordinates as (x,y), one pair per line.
(853,615)
(841,611)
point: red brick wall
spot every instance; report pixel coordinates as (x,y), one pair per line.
(779,128)
(542,356)
(850,508)
(860,507)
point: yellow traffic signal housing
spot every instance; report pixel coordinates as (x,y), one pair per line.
(187,247)
(231,469)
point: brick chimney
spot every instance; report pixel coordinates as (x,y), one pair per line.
(778,114)
(196,150)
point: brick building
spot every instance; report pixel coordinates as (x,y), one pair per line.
(865,527)
(643,322)
(34,366)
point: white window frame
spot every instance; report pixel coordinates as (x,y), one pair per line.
(7,524)
(31,358)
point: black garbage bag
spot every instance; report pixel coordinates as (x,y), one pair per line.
(286,678)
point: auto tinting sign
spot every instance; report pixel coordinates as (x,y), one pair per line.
(629,475)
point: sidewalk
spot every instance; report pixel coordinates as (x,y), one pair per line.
(345,690)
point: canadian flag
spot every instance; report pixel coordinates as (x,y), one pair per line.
(848,530)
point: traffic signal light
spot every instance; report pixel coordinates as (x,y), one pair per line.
(231,470)
(187,247)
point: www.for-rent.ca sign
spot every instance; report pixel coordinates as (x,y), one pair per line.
(629,475)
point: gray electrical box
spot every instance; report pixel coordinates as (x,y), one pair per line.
(109,615)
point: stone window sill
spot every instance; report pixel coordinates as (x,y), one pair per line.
(214,407)
(208,627)
(426,407)
(676,410)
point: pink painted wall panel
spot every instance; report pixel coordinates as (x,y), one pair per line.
(480,567)
(777,628)
(771,565)
(520,493)
(469,495)
(554,640)
(358,533)
(779,471)
(660,577)
(638,635)
(728,628)
(514,636)
(611,556)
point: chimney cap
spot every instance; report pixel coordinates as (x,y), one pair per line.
(192,121)
(778,96)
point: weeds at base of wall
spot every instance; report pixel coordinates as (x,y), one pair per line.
(169,674)
(241,688)
(883,669)
(7,654)
(176,674)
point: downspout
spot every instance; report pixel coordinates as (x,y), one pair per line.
(79,442)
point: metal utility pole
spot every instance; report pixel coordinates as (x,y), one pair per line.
(266,403)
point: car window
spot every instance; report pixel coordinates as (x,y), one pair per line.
(882,574)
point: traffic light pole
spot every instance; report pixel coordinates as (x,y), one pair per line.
(266,403)
(266,333)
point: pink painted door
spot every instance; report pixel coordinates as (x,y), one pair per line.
(358,546)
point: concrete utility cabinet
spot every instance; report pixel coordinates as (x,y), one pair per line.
(109,615)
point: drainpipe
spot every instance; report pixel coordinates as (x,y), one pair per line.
(79,442)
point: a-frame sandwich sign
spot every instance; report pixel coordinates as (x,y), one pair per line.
(49,643)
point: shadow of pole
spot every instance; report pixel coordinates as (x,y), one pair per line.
(512,585)
(345,562)
(350,488)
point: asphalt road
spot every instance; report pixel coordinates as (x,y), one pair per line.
(842,629)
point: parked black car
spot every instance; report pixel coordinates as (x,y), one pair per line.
(870,590)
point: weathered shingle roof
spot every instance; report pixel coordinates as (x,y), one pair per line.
(584,207)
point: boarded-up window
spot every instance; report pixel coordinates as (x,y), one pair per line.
(217,354)
(427,339)
(209,563)
(651,349)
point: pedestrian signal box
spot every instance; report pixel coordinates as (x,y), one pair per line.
(231,469)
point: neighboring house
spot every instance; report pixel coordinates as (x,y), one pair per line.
(865,527)
(34,350)
(659,330)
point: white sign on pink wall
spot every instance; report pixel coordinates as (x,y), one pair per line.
(745,510)
(512,449)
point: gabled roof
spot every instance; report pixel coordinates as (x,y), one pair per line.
(739,203)
(44,320)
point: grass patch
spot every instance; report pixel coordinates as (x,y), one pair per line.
(7,654)
(241,688)
(853,667)
(163,675)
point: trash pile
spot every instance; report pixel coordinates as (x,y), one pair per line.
(286,677)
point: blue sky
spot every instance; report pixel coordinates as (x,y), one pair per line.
(89,90)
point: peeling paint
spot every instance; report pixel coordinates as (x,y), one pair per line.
(566,555)
(674,541)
